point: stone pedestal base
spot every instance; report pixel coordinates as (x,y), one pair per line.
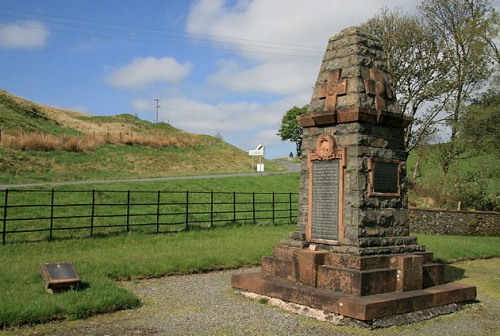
(361,287)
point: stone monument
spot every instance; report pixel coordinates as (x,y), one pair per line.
(352,253)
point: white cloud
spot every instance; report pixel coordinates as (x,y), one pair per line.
(284,40)
(275,77)
(23,35)
(293,22)
(143,72)
(142,105)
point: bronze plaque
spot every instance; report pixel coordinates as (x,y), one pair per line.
(59,276)
(325,199)
(386,177)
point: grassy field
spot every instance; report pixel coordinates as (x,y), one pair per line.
(472,179)
(123,161)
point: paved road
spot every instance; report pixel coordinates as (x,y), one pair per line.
(290,166)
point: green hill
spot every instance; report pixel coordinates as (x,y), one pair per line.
(42,143)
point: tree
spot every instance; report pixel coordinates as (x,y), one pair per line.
(464,28)
(417,69)
(290,129)
(480,123)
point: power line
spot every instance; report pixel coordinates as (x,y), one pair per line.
(224,43)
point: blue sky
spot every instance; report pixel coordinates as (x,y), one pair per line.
(227,67)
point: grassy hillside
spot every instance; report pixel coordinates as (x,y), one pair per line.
(42,143)
(471,183)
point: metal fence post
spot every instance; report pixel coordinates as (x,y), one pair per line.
(51,213)
(158,213)
(234,207)
(5,215)
(253,207)
(273,208)
(290,207)
(92,214)
(211,208)
(187,210)
(128,210)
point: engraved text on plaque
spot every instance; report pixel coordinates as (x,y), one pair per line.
(325,199)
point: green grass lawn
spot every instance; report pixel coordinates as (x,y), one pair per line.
(99,261)
(133,256)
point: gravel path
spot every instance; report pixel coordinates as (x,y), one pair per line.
(204,304)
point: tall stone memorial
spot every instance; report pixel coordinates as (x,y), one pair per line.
(352,253)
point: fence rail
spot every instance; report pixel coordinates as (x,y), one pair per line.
(32,215)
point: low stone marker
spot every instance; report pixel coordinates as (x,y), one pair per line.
(352,253)
(59,276)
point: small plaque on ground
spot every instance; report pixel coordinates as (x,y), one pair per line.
(59,276)
(325,200)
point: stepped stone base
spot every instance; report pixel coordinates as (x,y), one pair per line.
(360,287)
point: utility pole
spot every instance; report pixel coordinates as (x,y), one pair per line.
(157,107)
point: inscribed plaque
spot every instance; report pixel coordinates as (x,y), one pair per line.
(386,177)
(59,276)
(325,199)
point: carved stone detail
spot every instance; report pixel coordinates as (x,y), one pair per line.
(333,87)
(378,88)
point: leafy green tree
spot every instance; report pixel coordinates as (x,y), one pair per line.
(412,53)
(290,129)
(480,123)
(465,29)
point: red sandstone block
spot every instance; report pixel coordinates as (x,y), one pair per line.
(428,256)
(307,263)
(328,278)
(452,293)
(278,268)
(285,252)
(433,275)
(339,260)
(287,291)
(359,307)
(410,274)
(375,306)
(354,282)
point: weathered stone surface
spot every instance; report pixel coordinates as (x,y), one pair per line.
(410,272)
(352,253)
(365,308)
(433,275)
(461,223)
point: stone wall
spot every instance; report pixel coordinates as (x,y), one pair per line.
(462,223)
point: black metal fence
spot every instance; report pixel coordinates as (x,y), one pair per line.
(32,215)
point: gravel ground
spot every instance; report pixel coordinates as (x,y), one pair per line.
(205,304)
